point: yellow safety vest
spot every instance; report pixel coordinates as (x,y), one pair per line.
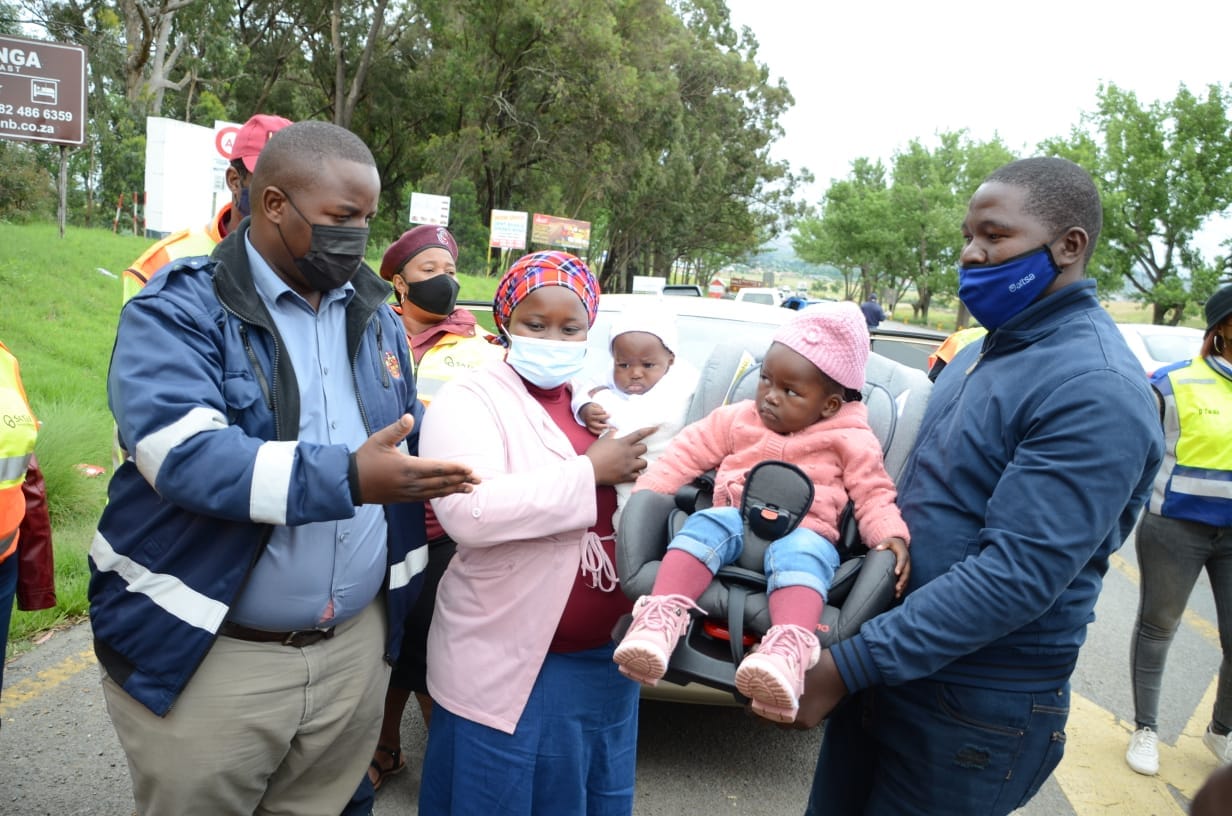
(183,244)
(955,343)
(1195,481)
(20,430)
(451,355)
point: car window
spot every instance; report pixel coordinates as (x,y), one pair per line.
(759,297)
(1171,348)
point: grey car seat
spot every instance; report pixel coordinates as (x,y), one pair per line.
(735,603)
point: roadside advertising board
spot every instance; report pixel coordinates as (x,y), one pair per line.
(429,209)
(224,143)
(554,231)
(42,91)
(508,229)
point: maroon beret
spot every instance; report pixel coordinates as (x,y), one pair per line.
(413,242)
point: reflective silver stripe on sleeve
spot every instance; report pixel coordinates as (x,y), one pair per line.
(271,482)
(400,574)
(13,469)
(152,450)
(168,592)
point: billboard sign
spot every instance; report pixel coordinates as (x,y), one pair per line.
(224,143)
(430,209)
(553,231)
(42,91)
(508,230)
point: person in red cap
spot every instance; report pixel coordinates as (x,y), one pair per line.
(445,340)
(808,412)
(201,241)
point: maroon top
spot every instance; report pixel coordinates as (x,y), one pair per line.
(590,613)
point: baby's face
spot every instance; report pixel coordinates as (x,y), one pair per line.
(792,393)
(640,360)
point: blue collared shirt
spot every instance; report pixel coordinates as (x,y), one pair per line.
(323,573)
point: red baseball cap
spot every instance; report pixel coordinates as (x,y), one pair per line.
(252,138)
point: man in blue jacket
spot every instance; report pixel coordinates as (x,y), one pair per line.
(1036,452)
(247,584)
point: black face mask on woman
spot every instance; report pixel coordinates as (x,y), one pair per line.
(334,253)
(436,295)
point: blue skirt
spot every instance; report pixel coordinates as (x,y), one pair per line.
(574,750)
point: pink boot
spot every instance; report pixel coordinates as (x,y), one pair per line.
(772,677)
(658,623)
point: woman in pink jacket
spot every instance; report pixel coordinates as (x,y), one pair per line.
(531,714)
(806,412)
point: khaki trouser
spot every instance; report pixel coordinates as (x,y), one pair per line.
(261,728)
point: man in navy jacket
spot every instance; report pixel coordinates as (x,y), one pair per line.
(1035,455)
(264,536)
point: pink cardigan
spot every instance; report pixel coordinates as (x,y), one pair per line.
(519,537)
(841,455)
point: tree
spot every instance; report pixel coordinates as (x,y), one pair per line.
(151,53)
(1163,170)
(902,233)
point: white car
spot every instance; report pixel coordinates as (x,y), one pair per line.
(1157,346)
(767,295)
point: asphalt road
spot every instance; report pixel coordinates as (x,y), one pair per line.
(61,758)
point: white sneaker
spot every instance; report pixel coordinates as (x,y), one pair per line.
(1220,745)
(1143,753)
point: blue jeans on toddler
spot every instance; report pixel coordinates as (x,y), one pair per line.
(715,536)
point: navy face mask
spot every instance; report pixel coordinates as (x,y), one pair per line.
(995,293)
(244,205)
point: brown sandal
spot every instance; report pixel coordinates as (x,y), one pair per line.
(396,765)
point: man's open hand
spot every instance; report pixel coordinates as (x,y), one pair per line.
(388,476)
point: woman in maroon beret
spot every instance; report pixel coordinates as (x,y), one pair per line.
(445,340)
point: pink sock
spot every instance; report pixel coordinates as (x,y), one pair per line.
(796,604)
(682,574)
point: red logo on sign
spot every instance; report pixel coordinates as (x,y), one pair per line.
(224,141)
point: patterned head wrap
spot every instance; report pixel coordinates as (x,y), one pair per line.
(553,268)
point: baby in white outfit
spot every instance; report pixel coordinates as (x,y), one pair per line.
(646,385)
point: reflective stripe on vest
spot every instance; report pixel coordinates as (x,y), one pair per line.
(17,436)
(451,355)
(1195,481)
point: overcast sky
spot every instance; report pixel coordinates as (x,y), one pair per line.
(869,76)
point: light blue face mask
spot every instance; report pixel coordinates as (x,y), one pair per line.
(546,363)
(995,293)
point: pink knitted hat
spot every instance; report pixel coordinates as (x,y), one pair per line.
(833,337)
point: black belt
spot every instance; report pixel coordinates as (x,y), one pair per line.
(299,638)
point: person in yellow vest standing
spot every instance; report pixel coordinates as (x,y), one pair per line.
(26,566)
(1187,527)
(201,240)
(445,341)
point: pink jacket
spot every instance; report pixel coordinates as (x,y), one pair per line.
(841,455)
(519,537)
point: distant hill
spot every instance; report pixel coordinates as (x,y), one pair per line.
(777,256)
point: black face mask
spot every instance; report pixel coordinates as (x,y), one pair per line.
(334,253)
(243,204)
(437,295)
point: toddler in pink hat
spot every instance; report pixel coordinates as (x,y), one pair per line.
(807,411)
